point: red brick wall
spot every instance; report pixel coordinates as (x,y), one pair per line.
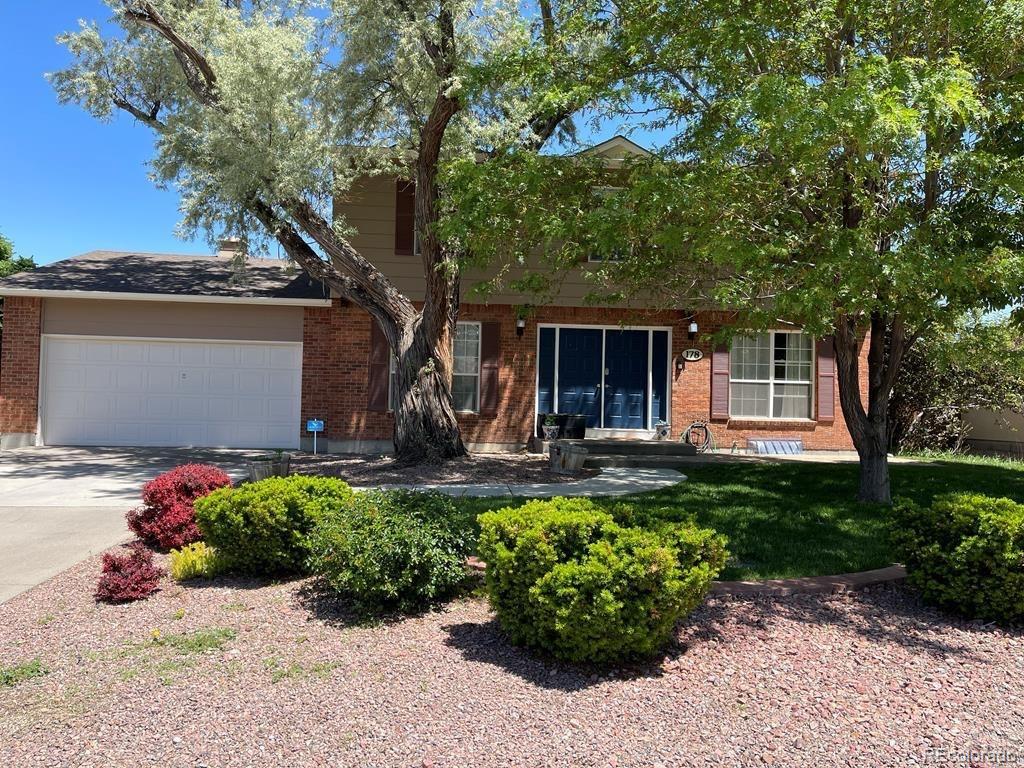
(19,365)
(335,377)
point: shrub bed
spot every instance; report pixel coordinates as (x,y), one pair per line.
(388,550)
(127,577)
(168,518)
(565,578)
(196,561)
(965,553)
(264,527)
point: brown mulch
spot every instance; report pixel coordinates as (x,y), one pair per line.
(484,468)
(872,679)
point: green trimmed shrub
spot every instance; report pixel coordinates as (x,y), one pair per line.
(195,561)
(565,578)
(388,550)
(965,553)
(264,527)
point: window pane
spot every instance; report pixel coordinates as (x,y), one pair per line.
(748,400)
(749,357)
(792,401)
(467,348)
(464,393)
(792,356)
(392,382)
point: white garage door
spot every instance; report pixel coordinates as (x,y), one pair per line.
(170,393)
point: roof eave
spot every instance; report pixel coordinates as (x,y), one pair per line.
(42,293)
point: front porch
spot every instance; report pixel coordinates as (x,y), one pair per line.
(626,452)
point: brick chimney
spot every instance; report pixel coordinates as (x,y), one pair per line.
(230,247)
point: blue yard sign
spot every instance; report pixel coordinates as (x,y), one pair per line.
(315,426)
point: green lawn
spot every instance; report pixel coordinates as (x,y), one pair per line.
(797,519)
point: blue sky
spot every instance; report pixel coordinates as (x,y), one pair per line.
(69,183)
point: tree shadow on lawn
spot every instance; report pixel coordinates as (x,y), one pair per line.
(486,643)
(802,519)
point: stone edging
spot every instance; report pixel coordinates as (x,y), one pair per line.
(809,585)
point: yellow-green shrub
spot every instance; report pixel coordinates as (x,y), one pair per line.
(965,552)
(195,561)
(564,578)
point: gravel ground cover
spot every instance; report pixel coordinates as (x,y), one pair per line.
(240,673)
(475,468)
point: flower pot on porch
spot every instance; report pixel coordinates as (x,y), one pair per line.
(550,432)
(571,426)
(262,467)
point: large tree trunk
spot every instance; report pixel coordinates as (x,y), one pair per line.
(426,430)
(869,427)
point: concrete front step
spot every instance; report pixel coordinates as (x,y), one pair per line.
(654,462)
(621,447)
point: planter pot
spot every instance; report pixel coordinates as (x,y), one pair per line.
(567,459)
(275,466)
(550,432)
(571,426)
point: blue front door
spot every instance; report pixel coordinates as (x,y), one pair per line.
(625,381)
(579,373)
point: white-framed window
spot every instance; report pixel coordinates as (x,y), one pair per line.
(771,376)
(466,373)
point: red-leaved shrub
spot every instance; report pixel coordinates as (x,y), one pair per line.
(168,520)
(127,577)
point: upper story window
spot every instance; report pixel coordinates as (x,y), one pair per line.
(466,374)
(770,376)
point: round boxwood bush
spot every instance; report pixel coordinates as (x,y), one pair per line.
(564,578)
(965,553)
(264,527)
(391,550)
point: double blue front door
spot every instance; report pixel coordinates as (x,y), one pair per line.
(607,375)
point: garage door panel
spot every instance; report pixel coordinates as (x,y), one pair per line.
(130,353)
(161,380)
(252,383)
(125,392)
(129,379)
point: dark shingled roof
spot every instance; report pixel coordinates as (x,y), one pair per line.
(170,275)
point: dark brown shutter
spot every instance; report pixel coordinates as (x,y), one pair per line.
(379,369)
(720,383)
(490,366)
(826,379)
(405,216)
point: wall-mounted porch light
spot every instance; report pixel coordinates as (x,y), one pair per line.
(692,330)
(520,326)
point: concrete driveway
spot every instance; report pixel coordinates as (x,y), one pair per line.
(60,505)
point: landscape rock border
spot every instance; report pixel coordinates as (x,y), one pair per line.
(807,585)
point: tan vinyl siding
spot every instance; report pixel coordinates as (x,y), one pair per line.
(369,208)
(172,320)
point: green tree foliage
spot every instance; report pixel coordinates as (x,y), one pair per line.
(851,167)
(950,371)
(266,111)
(11,263)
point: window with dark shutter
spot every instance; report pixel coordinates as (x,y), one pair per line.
(405,217)
(720,383)
(490,367)
(379,369)
(826,379)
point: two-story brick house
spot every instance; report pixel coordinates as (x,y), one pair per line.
(149,349)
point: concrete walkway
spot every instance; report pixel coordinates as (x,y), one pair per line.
(613,481)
